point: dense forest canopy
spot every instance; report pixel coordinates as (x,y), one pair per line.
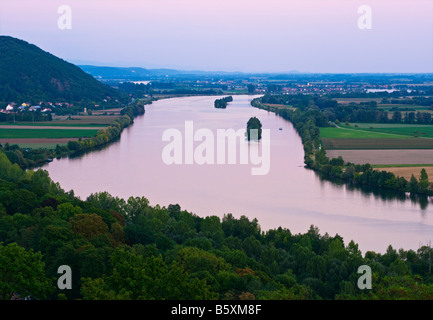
(254,124)
(127,249)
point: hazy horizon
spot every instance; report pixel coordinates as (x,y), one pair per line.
(274,36)
(96,64)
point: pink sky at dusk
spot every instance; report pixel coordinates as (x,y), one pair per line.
(231,35)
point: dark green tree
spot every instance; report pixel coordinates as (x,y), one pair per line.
(254,124)
(22,272)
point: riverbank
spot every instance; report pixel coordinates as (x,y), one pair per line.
(21,152)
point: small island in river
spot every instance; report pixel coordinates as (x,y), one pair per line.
(222,103)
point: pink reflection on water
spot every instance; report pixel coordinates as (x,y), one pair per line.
(289,195)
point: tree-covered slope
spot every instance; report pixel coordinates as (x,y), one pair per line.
(30,74)
(127,249)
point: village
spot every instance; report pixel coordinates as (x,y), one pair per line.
(44,107)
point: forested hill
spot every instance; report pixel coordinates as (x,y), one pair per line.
(30,74)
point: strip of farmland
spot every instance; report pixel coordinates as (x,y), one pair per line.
(385,157)
(360,144)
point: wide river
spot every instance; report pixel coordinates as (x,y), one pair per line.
(289,195)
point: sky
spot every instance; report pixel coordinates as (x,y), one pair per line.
(320,36)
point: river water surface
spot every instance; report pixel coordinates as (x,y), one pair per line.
(289,196)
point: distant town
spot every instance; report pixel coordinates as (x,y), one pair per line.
(337,85)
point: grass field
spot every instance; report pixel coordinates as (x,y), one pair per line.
(377,131)
(48,134)
(346,133)
(40,145)
(87,120)
(45,133)
(377,136)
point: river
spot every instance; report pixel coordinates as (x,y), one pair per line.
(289,196)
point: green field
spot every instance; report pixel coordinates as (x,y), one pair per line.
(45,133)
(422,131)
(377,131)
(377,136)
(97,120)
(40,145)
(346,133)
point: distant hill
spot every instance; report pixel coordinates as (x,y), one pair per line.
(138,73)
(122,73)
(30,74)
